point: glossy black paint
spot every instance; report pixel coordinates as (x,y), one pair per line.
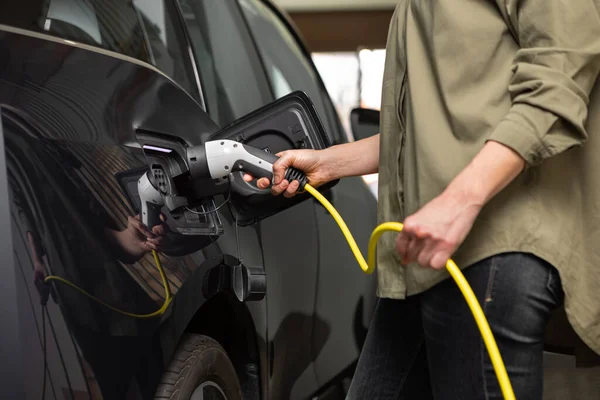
(69,116)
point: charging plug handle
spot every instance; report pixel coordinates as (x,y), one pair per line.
(222,157)
(291,173)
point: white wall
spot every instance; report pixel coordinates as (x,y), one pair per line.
(321,5)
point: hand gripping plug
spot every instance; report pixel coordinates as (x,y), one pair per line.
(212,161)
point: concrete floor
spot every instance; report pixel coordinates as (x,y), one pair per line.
(562,381)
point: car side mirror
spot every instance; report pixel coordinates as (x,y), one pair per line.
(364,123)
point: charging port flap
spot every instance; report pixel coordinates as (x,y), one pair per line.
(289,123)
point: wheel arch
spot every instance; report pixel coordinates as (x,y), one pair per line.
(228,321)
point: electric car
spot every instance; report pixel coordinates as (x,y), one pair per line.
(268,301)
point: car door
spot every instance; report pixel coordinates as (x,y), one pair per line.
(345,295)
(69,111)
(78,108)
(234,83)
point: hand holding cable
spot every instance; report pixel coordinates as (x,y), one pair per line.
(423,247)
(454,271)
(432,234)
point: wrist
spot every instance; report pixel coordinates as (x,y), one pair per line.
(467,192)
(351,159)
(332,160)
(492,169)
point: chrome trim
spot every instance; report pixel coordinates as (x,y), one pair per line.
(191,54)
(196,75)
(50,38)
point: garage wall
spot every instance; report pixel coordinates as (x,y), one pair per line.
(340,25)
(320,5)
(329,31)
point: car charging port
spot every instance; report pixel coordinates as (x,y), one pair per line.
(246,283)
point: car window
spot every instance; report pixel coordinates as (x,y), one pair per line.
(287,66)
(168,47)
(230,71)
(143,29)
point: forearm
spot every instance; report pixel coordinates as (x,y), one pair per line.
(490,171)
(353,159)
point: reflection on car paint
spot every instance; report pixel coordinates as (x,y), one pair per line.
(70,112)
(63,131)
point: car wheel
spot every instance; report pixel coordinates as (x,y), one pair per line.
(199,370)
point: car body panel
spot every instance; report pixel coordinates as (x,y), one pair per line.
(345,295)
(69,116)
(67,133)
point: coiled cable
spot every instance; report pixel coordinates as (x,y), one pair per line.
(452,268)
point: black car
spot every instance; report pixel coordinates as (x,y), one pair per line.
(268,300)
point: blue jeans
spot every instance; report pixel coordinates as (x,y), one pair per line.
(429,347)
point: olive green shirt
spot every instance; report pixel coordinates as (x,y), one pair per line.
(522,73)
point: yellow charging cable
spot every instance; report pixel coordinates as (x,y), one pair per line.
(368,268)
(159,312)
(462,283)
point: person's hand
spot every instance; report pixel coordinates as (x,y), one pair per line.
(137,240)
(38,264)
(308,161)
(432,234)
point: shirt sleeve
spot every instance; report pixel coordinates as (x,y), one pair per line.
(554,71)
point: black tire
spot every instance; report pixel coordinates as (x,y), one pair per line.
(198,360)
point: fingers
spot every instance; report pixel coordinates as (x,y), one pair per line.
(291,158)
(160,230)
(426,251)
(439,260)
(137,225)
(263,183)
(157,243)
(280,185)
(280,188)
(415,246)
(34,247)
(148,246)
(402,241)
(424,257)
(286,160)
(291,189)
